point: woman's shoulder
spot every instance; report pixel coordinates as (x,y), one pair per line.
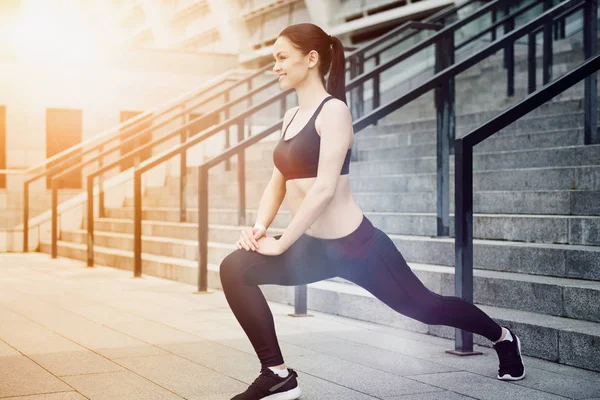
(335,106)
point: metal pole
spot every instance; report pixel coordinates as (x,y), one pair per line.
(531,50)
(241,157)
(26,216)
(54,189)
(202,230)
(101,188)
(444,109)
(300,302)
(547,54)
(226,112)
(361,88)
(183,170)
(249,119)
(137,224)
(90,221)
(590,47)
(463,248)
(376,93)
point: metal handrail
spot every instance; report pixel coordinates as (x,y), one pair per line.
(463,165)
(442,76)
(406,26)
(454,69)
(162,110)
(238,149)
(432,40)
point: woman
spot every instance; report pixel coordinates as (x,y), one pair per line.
(329,235)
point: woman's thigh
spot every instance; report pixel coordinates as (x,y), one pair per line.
(303,262)
(385,274)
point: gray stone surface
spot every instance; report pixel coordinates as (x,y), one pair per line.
(69,332)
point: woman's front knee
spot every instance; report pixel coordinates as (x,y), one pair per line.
(231,268)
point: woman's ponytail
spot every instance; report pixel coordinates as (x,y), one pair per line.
(336,82)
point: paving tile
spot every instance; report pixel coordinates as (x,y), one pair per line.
(6,350)
(49,396)
(481,387)
(55,353)
(181,376)
(317,388)
(357,377)
(367,355)
(570,386)
(21,376)
(119,386)
(441,395)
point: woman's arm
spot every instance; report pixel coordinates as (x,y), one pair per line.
(274,193)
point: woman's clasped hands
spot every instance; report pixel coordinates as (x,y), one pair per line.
(254,238)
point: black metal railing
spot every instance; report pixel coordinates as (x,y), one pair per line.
(56,163)
(463,175)
(440,78)
(464,270)
(239,150)
(183,132)
(393,35)
(443,82)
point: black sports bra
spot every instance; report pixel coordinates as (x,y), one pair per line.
(298,157)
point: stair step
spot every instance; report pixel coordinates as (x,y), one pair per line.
(567,229)
(559,260)
(563,202)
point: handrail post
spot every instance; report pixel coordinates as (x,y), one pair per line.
(300,302)
(26,216)
(531,61)
(547,49)
(241,158)
(376,89)
(506,30)
(54,189)
(249,119)
(137,223)
(283,109)
(444,100)
(590,47)
(463,247)
(202,229)
(226,112)
(494,19)
(90,221)
(183,169)
(509,54)
(100,187)
(361,88)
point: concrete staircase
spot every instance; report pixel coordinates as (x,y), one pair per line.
(536,216)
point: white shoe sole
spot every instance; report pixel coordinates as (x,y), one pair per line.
(507,377)
(292,394)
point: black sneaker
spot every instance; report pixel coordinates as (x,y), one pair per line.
(511,363)
(271,386)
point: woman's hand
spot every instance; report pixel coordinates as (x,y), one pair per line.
(269,246)
(248,238)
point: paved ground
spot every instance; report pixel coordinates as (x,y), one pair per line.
(67,332)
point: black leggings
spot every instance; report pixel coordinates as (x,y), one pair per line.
(367,257)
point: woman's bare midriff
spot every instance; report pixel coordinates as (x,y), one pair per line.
(342,215)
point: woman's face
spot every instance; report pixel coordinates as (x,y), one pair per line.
(291,66)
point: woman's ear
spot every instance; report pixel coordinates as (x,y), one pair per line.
(313,58)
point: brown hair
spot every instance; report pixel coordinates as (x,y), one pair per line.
(307,37)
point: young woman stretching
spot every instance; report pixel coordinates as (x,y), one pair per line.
(329,235)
